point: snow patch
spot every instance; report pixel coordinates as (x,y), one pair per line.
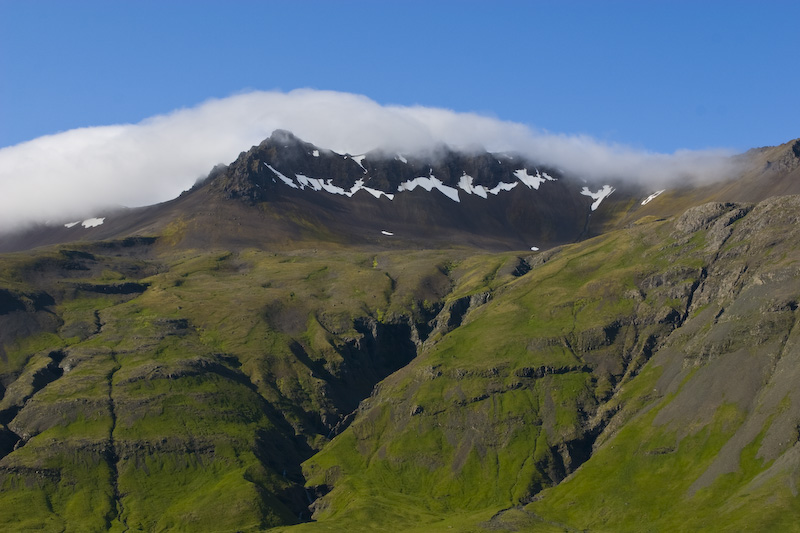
(359,186)
(283,178)
(389,233)
(317,185)
(532,182)
(534,249)
(401,158)
(328,186)
(92,222)
(71,224)
(358,159)
(465,184)
(315,153)
(652,197)
(376,193)
(429,183)
(598,196)
(502,187)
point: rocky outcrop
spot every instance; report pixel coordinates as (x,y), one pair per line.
(443,196)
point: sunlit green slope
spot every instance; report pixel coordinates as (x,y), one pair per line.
(641,380)
(155,390)
(663,355)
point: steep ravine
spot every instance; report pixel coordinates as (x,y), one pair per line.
(20,391)
(112,455)
(146,388)
(473,399)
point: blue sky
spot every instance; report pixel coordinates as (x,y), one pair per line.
(129,102)
(653,75)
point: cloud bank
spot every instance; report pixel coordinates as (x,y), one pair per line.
(66,176)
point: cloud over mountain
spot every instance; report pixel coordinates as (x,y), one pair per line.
(71,174)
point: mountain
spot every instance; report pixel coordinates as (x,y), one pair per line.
(290,193)
(257,354)
(286,191)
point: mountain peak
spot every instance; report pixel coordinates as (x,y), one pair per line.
(283,137)
(284,160)
(495,201)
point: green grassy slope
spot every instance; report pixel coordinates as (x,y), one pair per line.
(502,406)
(185,389)
(666,351)
(646,376)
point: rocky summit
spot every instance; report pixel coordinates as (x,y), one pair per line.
(286,191)
(313,341)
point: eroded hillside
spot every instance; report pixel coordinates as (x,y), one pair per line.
(646,372)
(148,390)
(647,375)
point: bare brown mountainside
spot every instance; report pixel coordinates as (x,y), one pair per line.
(759,174)
(249,203)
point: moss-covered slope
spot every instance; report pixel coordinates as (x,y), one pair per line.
(646,376)
(654,368)
(156,391)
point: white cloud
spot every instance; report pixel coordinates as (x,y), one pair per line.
(70,175)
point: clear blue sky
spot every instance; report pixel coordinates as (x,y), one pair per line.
(658,75)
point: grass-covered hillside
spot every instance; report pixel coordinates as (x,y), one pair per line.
(641,380)
(151,390)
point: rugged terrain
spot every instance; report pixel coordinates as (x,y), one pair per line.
(307,196)
(256,355)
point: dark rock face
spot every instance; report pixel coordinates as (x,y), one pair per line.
(287,190)
(494,201)
(700,217)
(9,303)
(113,288)
(23,314)
(255,175)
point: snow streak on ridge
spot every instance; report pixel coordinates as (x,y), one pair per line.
(598,196)
(431,182)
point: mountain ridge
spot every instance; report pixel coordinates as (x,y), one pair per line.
(504,200)
(484,200)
